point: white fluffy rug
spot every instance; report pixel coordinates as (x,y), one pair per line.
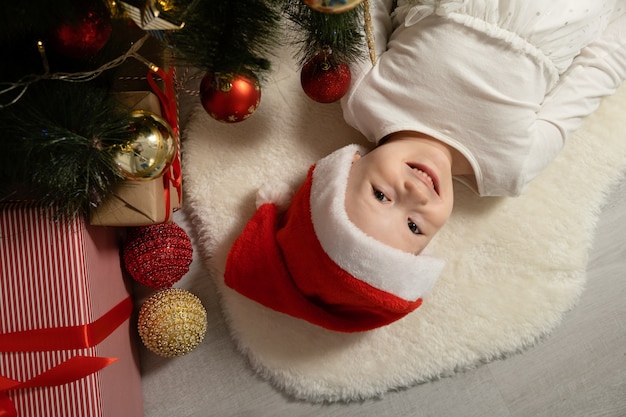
(514,266)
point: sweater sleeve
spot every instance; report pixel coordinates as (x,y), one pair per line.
(597,72)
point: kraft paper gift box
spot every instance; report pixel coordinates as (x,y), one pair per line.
(66,343)
(140,203)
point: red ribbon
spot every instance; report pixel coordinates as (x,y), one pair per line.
(71,370)
(167,97)
(7,409)
(61,338)
(68,337)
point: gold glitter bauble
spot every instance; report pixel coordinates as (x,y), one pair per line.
(172,322)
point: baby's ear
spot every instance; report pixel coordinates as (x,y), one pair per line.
(278,193)
(356,157)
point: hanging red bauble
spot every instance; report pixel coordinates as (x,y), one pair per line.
(230,98)
(157,255)
(323,79)
(85,33)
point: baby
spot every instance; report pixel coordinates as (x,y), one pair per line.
(484,92)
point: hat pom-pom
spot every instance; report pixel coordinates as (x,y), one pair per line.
(277,193)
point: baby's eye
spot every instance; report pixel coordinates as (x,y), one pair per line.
(380,196)
(413,227)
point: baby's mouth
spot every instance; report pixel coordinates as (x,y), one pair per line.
(428,176)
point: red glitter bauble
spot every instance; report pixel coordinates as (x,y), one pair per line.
(157,255)
(85,33)
(230,98)
(324,80)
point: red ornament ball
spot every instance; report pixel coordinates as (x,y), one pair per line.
(230,98)
(324,80)
(85,33)
(157,255)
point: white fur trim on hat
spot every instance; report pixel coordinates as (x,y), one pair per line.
(278,193)
(389,269)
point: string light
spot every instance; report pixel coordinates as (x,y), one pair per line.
(20,87)
(44,57)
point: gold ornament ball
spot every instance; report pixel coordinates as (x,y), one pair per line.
(150,149)
(172,322)
(332,6)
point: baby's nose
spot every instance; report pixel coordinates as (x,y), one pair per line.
(416,192)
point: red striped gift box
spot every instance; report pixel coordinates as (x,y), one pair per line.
(65,343)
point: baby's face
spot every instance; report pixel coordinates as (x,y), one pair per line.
(401,193)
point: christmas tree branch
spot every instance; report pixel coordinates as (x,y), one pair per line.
(227,36)
(314,30)
(63,150)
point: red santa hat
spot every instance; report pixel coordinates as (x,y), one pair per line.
(313,263)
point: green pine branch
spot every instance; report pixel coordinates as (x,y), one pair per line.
(227,36)
(57,141)
(342,32)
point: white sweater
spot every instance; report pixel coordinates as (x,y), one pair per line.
(462,73)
